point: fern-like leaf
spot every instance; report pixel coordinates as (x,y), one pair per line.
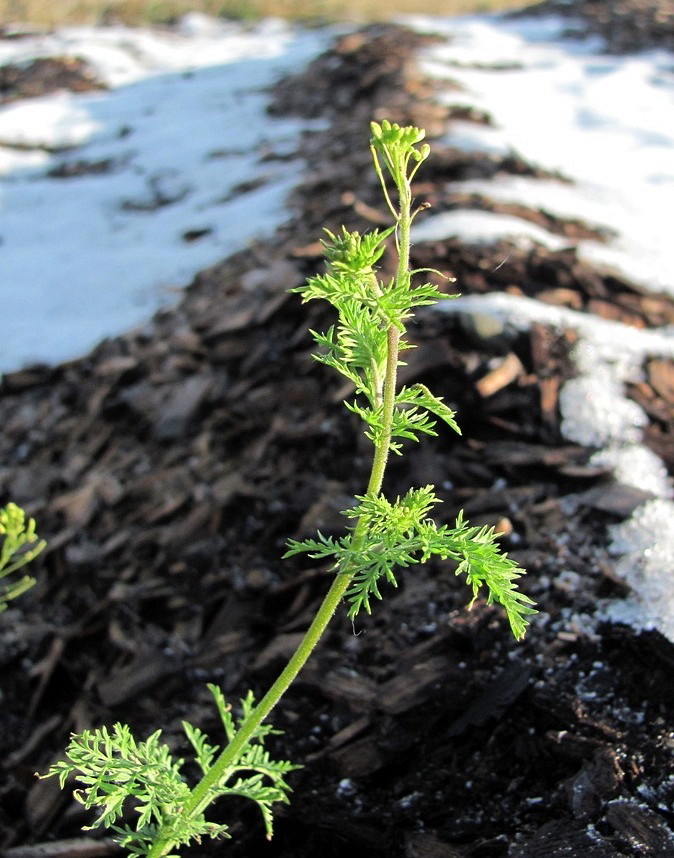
(19,544)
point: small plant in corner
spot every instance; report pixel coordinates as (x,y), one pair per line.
(19,544)
(125,779)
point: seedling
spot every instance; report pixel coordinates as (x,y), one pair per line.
(124,778)
(19,545)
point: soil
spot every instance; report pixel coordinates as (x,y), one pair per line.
(624,26)
(168,467)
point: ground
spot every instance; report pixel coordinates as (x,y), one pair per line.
(168,467)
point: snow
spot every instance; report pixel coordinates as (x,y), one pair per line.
(479,227)
(183,123)
(645,549)
(603,121)
(604,125)
(182,126)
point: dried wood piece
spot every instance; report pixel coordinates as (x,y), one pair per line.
(180,409)
(117,365)
(279,649)
(278,276)
(240,315)
(44,669)
(572,746)
(346,734)
(314,250)
(609,310)
(413,687)
(658,310)
(522,453)
(643,829)
(367,212)
(425,357)
(428,846)
(506,371)
(228,486)
(135,678)
(143,398)
(78,506)
(326,513)
(23,379)
(341,684)
(343,737)
(186,530)
(85,847)
(228,651)
(501,693)
(563,838)
(561,297)
(615,498)
(46,75)
(359,759)
(44,803)
(661,378)
(549,395)
(597,781)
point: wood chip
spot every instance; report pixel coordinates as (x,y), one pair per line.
(413,687)
(494,700)
(359,759)
(661,377)
(644,831)
(428,846)
(549,388)
(561,297)
(507,370)
(278,650)
(615,498)
(78,506)
(562,837)
(84,847)
(131,681)
(347,685)
(180,409)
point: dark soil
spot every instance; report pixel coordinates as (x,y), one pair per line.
(168,467)
(45,75)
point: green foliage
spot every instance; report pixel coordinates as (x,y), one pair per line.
(411,415)
(123,777)
(20,544)
(399,534)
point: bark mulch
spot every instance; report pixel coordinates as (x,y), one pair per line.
(168,467)
(624,25)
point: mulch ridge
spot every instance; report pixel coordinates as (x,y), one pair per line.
(625,26)
(167,468)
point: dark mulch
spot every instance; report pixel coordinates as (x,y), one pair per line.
(168,467)
(624,25)
(45,75)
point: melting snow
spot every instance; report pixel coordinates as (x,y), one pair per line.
(479,227)
(183,125)
(605,123)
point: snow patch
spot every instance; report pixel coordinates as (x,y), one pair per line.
(480,227)
(156,169)
(645,547)
(597,413)
(603,121)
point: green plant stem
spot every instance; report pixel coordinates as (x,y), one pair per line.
(201,797)
(200,794)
